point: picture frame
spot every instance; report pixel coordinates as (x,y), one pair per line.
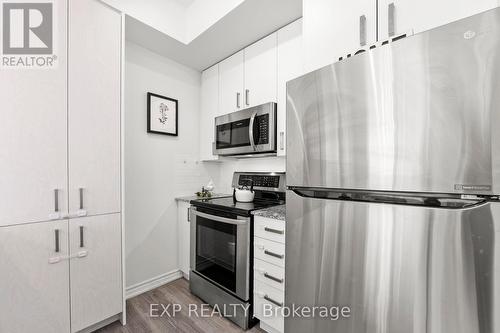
(162,115)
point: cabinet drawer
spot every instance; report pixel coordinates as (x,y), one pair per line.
(269,251)
(270,229)
(268,273)
(266,300)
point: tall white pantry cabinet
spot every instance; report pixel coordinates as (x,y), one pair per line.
(60,184)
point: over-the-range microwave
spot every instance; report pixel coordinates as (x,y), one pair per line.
(246,132)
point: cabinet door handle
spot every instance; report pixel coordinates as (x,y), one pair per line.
(81,197)
(274,231)
(56,200)
(270,277)
(282,140)
(391,19)
(362,30)
(238,100)
(188,214)
(247,93)
(81,237)
(56,238)
(269,299)
(272,254)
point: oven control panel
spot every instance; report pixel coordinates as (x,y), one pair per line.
(264,181)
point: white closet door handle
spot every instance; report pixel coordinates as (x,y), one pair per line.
(56,240)
(362,30)
(56,215)
(391,19)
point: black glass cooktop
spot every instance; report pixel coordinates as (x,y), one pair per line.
(228,204)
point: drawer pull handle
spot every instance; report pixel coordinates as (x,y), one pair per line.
(270,277)
(269,299)
(272,254)
(274,231)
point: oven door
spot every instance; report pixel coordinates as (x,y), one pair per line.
(220,250)
(248,131)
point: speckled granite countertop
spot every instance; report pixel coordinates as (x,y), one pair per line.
(194,197)
(276,212)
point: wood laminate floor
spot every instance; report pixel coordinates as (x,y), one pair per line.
(176,292)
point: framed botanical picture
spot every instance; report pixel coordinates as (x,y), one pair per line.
(162,115)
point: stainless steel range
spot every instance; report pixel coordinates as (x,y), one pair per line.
(221,244)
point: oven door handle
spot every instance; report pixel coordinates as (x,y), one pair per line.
(219,218)
(250,130)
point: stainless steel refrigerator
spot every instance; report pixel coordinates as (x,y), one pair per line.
(393,174)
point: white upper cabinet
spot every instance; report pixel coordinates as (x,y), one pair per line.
(231,80)
(290,66)
(260,72)
(33,159)
(335,28)
(209,109)
(94,108)
(402,16)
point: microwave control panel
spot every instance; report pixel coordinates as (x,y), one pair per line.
(262,123)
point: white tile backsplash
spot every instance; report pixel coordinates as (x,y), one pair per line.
(191,174)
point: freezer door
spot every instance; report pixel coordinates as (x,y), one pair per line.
(420,115)
(398,268)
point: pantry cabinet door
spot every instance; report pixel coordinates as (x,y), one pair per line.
(290,66)
(96,270)
(231,84)
(422,15)
(33,145)
(260,72)
(94,107)
(209,109)
(34,278)
(183,235)
(332,29)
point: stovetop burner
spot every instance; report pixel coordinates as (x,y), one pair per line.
(269,191)
(240,208)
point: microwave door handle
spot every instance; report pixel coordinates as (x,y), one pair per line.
(219,218)
(250,130)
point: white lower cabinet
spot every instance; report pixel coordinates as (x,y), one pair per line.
(48,266)
(268,301)
(183,231)
(34,278)
(95,269)
(269,273)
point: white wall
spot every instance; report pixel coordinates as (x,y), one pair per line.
(157,167)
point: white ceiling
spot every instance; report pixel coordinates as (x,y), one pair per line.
(184,3)
(227,35)
(183,20)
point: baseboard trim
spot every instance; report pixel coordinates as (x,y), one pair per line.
(160,280)
(101,324)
